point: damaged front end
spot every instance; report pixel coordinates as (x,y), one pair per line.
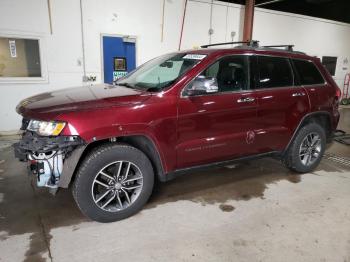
(52,159)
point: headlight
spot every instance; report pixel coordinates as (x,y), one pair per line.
(45,128)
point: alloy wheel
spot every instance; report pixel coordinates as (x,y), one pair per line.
(310,149)
(117,186)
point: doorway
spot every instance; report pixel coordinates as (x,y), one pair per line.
(119,56)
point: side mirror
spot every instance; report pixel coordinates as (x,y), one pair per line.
(202,85)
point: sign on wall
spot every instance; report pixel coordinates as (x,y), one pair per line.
(118,74)
(13,50)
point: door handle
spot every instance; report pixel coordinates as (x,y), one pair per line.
(298,94)
(246,100)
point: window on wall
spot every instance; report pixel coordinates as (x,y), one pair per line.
(19,58)
(330,62)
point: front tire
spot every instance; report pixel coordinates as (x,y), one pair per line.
(307,149)
(113,182)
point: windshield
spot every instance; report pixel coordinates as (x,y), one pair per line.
(160,72)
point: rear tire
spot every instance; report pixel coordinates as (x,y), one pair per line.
(306,151)
(113,182)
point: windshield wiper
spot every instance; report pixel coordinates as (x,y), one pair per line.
(126,85)
(154,89)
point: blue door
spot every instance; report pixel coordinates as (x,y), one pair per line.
(118,57)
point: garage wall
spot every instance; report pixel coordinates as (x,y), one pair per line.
(316,37)
(62,50)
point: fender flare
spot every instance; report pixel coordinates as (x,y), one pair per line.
(301,123)
(150,149)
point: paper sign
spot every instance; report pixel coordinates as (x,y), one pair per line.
(194,56)
(119,74)
(13,51)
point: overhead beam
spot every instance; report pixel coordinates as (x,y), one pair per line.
(248,20)
(269,2)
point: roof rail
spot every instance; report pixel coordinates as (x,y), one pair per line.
(253,43)
(287,47)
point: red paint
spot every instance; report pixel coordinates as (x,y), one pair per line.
(189,131)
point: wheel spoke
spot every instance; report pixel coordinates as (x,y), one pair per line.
(127,171)
(127,196)
(315,140)
(309,140)
(101,197)
(304,160)
(303,148)
(132,179)
(119,170)
(119,201)
(102,184)
(318,144)
(131,187)
(307,159)
(108,176)
(108,201)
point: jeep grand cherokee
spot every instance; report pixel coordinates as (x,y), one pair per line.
(174,114)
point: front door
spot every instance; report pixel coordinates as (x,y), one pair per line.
(119,57)
(218,127)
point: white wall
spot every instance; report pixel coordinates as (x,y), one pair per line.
(62,50)
(317,37)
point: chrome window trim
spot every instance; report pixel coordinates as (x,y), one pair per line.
(257,89)
(274,88)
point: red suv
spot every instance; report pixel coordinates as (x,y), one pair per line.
(174,114)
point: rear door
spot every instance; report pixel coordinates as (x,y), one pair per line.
(214,127)
(281,104)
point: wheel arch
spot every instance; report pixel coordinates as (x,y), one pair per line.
(149,148)
(323,118)
(141,142)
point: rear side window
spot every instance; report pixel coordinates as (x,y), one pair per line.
(307,72)
(274,72)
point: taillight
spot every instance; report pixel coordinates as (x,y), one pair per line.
(337,99)
(338,93)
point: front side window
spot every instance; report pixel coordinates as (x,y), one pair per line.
(19,57)
(307,72)
(160,72)
(274,72)
(231,73)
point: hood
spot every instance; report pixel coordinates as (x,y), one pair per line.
(80,98)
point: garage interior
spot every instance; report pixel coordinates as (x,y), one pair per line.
(248,211)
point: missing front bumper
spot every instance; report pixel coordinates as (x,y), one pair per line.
(51,159)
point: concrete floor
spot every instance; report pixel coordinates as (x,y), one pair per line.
(256,211)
